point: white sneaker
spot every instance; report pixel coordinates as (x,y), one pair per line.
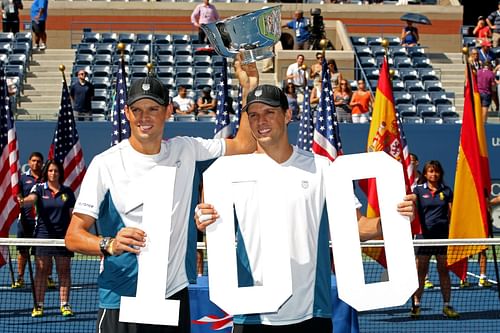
(42,46)
(36,47)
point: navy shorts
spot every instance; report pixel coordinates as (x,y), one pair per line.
(485,100)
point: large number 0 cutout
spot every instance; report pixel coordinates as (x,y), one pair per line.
(149,306)
(401,266)
(276,273)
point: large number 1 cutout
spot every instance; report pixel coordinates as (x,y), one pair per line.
(344,232)
(149,305)
(276,285)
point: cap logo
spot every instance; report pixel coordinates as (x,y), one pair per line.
(258,93)
(146,86)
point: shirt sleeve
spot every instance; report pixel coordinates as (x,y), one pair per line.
(206,149)
(195,15)
(92,190)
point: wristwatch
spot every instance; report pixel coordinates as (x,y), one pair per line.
(104,245)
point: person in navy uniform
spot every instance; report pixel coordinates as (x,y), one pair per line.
(434,200)
(54,204)
(26,224)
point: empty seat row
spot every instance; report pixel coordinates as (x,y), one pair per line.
(141,38)
(393,51)
(397,62)
(427,110)
(405,74)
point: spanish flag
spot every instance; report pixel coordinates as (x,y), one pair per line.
(469,217)
(386,134)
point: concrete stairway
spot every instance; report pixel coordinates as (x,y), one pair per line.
(42,92)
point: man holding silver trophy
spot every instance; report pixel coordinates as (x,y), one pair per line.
(309,308)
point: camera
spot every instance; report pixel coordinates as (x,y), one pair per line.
(317,30)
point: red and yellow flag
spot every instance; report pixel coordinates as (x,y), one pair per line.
(469,217)
(386,134)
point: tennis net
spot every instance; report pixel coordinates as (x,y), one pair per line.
(478,306)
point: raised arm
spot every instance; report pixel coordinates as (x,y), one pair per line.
(244,142)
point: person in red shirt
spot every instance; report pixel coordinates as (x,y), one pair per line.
(486,85)
(361,103)
(482,30)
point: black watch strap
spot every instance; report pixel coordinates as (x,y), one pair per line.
(104,245)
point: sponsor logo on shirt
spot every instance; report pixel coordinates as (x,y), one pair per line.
(305,184)
(426,196)
(64,197)
(45,197)
(441,196)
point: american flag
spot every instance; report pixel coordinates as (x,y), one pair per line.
(9,166)
(326,140)
(306,126)
(121,126)
(222,122)
(237,112)
(65,146)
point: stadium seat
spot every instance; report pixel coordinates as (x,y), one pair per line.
(402,97)
(421,62)
(86,48)
(184,81)
(393,40)
(378,50)
(358,40)
(183,50)
(5,48)
(380,60)
(414,85)
(402,62)
(117,57)
(427,74)
(433,120)
(184,117)
(446,110)
(126,50)
(412,120)
(406,110)
(469,41)
(24,36)
(398,85)
(441,97)
(206,118)
(452,120)
(139,60)
(91,37)
(161,39)
(109,37)
(164,49)
(217,61)
(408,74)
(101,82)
(183,60)
(373,84)
(141,49)
(22,48)
(201,83)
(181,39)
(421,98)
(16,71)
(84,59)
(372,73)
(164,60)
(374,41)
(202,71)
(101,95)
(127,38)
(99,107)
(137,72)
(398,51)
(416,51)
(144,38)
(363,51)
(353,84)
(433,86)
(165,71)
(396,74)
(367,62)
(102,71)
(184,71)
(168,82)
(6,37)
(104,48)
(202,60)
(426,110)
(103,59)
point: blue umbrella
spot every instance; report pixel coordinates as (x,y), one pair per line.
(416,18)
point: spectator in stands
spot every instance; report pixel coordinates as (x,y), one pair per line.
(361,103)
(482,30)
(106,184)
(315,94)
(416,173)
(10,15)
(342,98)
(485,52)
(300,25)
(202,14)
(335,75)
(434,200)
(54,204)
(315,70)
(409,35)
(486,85)
(81,94)
(296,73)
(182,103)
(38,19)
(474,59)
(303,311)
(493,21)
(206,103)
(291,96)
(26,223)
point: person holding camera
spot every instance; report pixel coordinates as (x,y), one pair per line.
(300,25)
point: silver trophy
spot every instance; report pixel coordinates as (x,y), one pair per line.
(253,34)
